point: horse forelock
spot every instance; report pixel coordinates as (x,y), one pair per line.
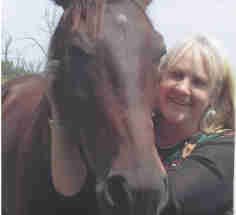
(65,3)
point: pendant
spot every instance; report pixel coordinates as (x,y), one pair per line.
(187,150)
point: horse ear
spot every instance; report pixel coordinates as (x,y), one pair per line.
(143,3)
(62,3)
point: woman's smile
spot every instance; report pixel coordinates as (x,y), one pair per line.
(178,101)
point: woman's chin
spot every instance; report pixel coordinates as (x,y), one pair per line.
(176,118)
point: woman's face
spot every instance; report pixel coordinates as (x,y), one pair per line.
(184,91)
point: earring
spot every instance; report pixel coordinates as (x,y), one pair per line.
(208,120)
(209,116)
(211,113)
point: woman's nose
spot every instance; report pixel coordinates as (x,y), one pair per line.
(184,87)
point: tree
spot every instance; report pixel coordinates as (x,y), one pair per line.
(13,61)
(7,42)
(50,18)
(13,67)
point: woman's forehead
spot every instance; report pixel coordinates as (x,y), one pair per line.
(190,61)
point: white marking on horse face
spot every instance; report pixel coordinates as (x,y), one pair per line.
(121,18)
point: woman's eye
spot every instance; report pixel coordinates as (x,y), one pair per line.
(177,75)
(200,83)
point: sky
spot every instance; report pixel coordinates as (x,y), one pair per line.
(175,19)
(178,19)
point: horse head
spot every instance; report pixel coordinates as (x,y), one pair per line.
(106,55)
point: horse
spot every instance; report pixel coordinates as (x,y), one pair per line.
(101,69)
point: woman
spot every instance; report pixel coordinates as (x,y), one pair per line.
(194,123)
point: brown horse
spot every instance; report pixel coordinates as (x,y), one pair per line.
(101,70)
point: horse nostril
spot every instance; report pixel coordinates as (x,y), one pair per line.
(117,193)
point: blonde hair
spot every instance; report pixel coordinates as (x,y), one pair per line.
(222,80)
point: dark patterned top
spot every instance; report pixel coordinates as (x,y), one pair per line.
(172,156)
(200,174)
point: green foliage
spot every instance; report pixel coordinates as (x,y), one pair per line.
(11,70)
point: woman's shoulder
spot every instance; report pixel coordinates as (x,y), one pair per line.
(222,141)
(215,150)
(207,163)
(202,147)
(223,136)
(202,142)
